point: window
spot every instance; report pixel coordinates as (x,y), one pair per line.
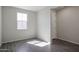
(21,21)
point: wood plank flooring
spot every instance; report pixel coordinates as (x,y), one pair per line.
(63,46)
(57,45)
(23,46)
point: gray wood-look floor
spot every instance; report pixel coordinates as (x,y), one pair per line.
(63,46)
(56,46)
(23,46)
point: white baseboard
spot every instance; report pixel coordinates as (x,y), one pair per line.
(69,41)
(18,40)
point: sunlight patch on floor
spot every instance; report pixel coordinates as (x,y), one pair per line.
(38,43)
(42,44)
(33,42)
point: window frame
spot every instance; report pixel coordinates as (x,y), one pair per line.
(18,28)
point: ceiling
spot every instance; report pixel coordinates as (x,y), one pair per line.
(37,8)
(32,8)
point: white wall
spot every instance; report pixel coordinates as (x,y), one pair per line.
(53,24)
(10,33)
(68,24)
(0,27)
(44,24)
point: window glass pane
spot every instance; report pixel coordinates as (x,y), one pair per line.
(24,25)
(21,25)
(24,17)
(19,16)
